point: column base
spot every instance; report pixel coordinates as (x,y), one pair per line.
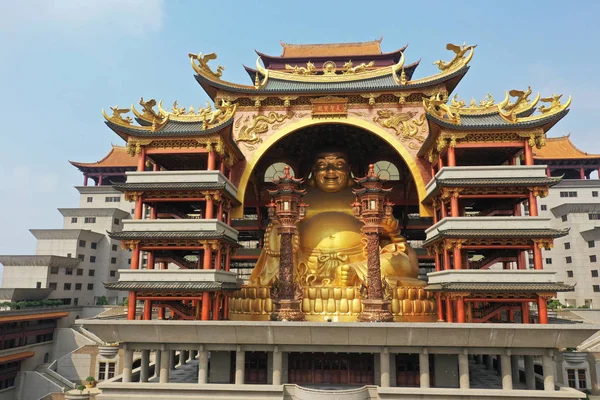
(375,311)
(287,310)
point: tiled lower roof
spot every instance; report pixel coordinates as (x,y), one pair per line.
(164,286)
(498,234)
(498,181)
(501,287)
(201,235)
(495,121)
(170,186)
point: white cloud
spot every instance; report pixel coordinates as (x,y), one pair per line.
(127,16)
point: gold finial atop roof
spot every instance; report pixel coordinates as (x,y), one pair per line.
(223,111)
(149,115)
(202,65)
(484,106)
(510,110)
(554,103)
(460,59)
(436,105)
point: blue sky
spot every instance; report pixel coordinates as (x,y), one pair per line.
(61,62)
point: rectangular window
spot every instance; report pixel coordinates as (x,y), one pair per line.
(75,301)
(593,258)
(543,207)
(548,261)
(591,244)
(101,371)
(569,260)
(129,261)
(73,220)
(567,246)
(564,218)
(91,272)
(82,243)
(594,216)
(571,378)
(113,260)
(92,259)
(117,221)
(38,285)
(113,273)
(594,273)
(52,285)
(67,286)
(111,370)
(53,270)
(90,220)
(90,199)
(595,193)
(81,257)
(581,379)
(568,194)
(596,288)
(69,271)
(78,286)
(569,274)
(69,255)
(115,247)
(94,245)
(79,271)
(90,286)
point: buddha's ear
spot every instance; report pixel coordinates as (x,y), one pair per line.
(311,180)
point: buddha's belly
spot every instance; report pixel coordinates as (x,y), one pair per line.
(329,232)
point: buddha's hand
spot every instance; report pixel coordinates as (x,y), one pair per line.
(391,228)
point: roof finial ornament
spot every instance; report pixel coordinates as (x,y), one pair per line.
(460,58)
(202,65)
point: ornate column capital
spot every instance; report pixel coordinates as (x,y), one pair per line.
(541,191)
(129,244)
(546,244)
(451,244)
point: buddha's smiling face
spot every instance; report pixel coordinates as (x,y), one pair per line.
(331,172)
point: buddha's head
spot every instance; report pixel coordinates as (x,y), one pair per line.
(331,171)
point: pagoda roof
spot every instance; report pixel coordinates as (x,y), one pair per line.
(372,47)
(150,235)
(495,121)
(562,148)
(169,286)
(497,233)
(117,157)
(39,261)
(500,287)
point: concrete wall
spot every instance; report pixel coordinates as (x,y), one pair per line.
(33,385)
(446,370)
(79,364)
(25,276)
(39,349)
(9,394)
(67,340)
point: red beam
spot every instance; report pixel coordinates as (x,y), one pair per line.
(171,248)
(488,144)
(498,300)
(159,298)
(238,258)
(197,150)
(512,246)
(172,200)
(493,196)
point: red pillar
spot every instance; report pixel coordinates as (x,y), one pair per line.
(161,313)
(153,211)
(528,153)
(548,172)
(209,208)
(454,206)
(222,166)
(446,259)
(438,262)
(435,215)
(100,179)
(227,260)
(525,312)
(141,160)
(533,207)
(449,317)
(537,257)
(542,310)
(150,264)
(460,310)
(205,306)
(148,310)
(457,258)
(440,163)
(138,208)
(440,309)
(219,260)
(517,210)
(156,167)
(443,209)
(451,157)
(216,305)
(220,212)
(207,257)
(85,179)
(131,306)
(211,160)
(521,260)
(226,306)
(135,257)
(581,173)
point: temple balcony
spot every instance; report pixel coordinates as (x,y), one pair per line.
(178,180)
(489,176)
(492,227)
(159,280)
(176,229)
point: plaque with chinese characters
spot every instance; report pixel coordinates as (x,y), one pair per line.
(329,106)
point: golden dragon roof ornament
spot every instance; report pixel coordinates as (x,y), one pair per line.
(510,110)
(461,58)
(149,115)
(485,106)
(202,66)
(436,105)
(222,112)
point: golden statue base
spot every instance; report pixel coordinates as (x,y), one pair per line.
(335,303)
(375,311)
(287,310)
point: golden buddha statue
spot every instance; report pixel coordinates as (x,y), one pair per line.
(330,259)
